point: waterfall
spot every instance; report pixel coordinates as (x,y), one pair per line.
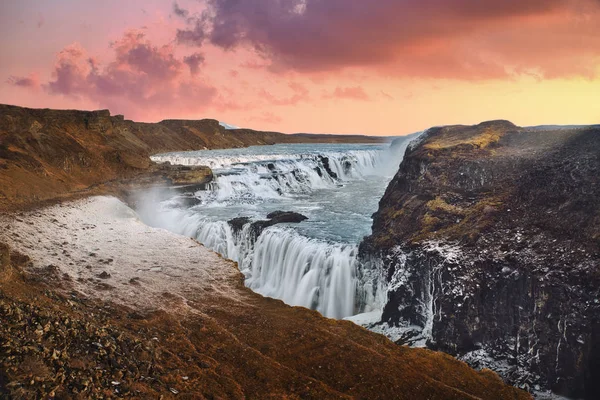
(255,178)
(283,261)
(303,272)
(280,263)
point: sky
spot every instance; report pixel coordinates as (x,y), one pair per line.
(385,67)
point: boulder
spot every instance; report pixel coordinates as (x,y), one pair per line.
(274,218)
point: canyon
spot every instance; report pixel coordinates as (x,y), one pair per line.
(485,245)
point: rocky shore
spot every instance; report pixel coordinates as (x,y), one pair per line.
(490,236)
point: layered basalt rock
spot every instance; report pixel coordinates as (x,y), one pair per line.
(180,175)
(490,241)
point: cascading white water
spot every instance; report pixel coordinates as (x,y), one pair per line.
(253,178)
(284,265)
(303,272)
(312,264)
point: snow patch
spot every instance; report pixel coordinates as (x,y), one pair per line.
(227,126)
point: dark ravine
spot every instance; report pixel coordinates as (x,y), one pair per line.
(490,237)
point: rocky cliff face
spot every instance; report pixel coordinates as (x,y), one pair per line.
(490,237)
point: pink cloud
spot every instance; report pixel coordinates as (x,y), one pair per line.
(266,117)
(194,61)
(180,12)
(298,94)
(141,79)
(353,93)
(40,21)
(32,81)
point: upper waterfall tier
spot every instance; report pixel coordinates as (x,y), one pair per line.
(269,172)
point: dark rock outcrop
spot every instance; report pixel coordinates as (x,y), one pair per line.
(274,218)
(237,224)
(490,241)
(279,217)
(325,161)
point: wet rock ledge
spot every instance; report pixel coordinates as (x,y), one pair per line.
(273,218)
(172,175)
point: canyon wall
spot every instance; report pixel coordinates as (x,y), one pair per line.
(490,237)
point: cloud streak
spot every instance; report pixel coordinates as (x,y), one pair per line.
(32,81)
(352,93)
(180,12)
(194,61)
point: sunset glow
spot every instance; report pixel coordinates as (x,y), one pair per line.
(334,66)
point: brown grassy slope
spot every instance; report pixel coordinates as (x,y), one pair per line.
(258,348)
(49,153)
